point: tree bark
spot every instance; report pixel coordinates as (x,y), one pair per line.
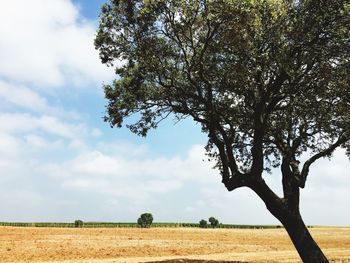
(307,248)
(291,219)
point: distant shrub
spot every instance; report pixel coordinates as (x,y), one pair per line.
(145,220)
(203,223)
(78,223)
(213,222)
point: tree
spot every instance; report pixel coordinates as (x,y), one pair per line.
(268,80)
(213,222)
(145,220)
(203,223)
(78,223)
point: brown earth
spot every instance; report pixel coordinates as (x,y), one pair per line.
(107,245)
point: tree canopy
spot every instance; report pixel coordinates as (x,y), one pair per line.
(213,222)
(278,70)
(145,220)
(268,80)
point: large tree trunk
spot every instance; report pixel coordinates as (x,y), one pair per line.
(307,248)
(290,218)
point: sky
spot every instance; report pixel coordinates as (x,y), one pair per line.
(60,162)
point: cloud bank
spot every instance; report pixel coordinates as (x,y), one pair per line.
(48,44)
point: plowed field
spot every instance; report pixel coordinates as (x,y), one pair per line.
(107,245)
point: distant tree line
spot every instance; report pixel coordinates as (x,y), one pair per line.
(144,221)
(130,225)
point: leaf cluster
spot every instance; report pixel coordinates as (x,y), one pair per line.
(145,220)
(268,80)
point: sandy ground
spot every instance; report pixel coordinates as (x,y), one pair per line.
(116,245)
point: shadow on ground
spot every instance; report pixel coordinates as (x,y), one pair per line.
(195,261)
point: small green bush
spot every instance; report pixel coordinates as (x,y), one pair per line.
(78,223)
(203,223)
(145,220)
(213,222)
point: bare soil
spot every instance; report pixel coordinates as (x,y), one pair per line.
(175,245)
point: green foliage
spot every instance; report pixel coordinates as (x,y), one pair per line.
(203,223)
(267,80)
(145,220)
(213,222)
(78,223)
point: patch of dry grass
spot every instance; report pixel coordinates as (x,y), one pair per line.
(109,245)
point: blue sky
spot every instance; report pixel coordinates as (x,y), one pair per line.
(59,161)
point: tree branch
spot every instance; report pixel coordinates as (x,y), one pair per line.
(272,201)
(305,171)
(237,181)
(290,183)
(257,149)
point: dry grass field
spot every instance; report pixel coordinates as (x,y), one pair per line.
(107,245)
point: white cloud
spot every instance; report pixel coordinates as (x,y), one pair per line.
(98,164)
(46,43)
(9,145)
(138,183)
(24,135)
(17,123)
(38,142)
(23,97)
(135,178)
(95,132)
(326,196)
(20,97)
(123,148)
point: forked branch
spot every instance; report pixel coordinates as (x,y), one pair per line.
(305,171)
